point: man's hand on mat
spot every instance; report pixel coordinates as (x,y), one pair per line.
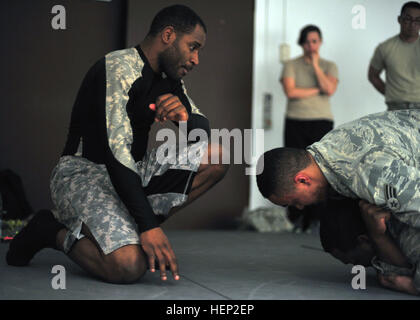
(399,283)
(157,246)
(374,218)
(169,107)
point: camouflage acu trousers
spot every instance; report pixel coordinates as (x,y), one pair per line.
(82,193)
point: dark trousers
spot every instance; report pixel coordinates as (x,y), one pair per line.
(300,134)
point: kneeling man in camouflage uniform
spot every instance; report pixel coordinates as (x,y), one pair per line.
(375,159)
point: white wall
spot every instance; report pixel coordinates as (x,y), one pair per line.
(351,49)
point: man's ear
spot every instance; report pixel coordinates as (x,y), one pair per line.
(168,35)
(302,178)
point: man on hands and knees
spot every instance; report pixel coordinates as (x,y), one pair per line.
(371,159)
(110,194)
(360,233)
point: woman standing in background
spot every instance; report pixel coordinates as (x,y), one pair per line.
(308,82)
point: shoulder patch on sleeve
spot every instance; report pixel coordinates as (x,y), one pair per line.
(392,202)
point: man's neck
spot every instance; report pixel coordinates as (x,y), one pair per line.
(316,172)
(151,54)
(408,39)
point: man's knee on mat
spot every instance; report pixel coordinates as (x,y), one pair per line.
(125,265)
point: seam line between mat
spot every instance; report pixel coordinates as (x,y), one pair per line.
(207,288)
(311,248)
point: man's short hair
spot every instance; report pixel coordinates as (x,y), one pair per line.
(181,18)
(304,33)
(411,4)
(340,225)
(280,167)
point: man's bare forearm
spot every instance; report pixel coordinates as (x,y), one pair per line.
(376,80)
(388,252)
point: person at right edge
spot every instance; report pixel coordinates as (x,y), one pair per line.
(308,82)
(399,56)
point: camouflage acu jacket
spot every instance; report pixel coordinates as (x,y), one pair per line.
(377,158)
